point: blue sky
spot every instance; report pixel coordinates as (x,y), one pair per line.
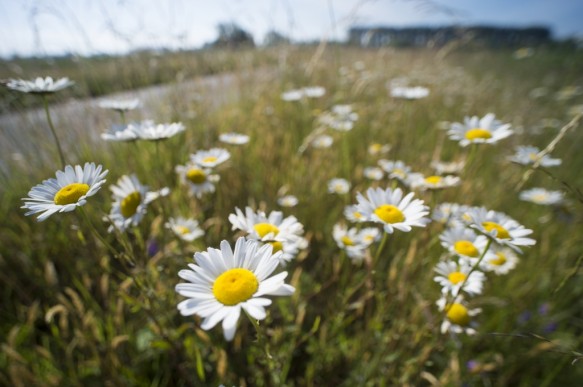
(37,27)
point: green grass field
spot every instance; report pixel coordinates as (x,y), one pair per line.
(84,306)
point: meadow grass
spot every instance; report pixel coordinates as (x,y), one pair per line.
(77,312)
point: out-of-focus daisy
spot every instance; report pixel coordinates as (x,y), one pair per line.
(542,196)
(338,186)
(120,133)
(292,95)
(373,173)
(395,169)
(352,213)
(449,214)
(284,234)
(477,130)
(433,182)
(223,282)
(500,227)
(527,155)
(354,241)
(458,316)
(120,105)
(314,91)
(130,200)
(340,118)
(69,190)
(148,130)
(463,242)
(287,201)
(447,168)
(210,158)
(568,92)
(234,138)
(392,210)
(322,141)
(39,85)
(375,149)
(186,229)
(199,180)
(416,92)
(451,277)
(499,260)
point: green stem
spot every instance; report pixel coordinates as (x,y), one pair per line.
(381,246)
(52,127)
(470,273)
(262,342)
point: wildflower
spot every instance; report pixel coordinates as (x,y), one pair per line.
(528,155)
(186,229)
(352,214)
(447,168)
(322,141)
(338,186)
(391,209)
(39,85)
(477,130)
(120,133)
(223,282)
(210,158)
(354,241)
(452,276)
(499,260)
(122,105)
(130,200)
(417,92)
(287,201)
(340,118)
(198,179)
(292,95)
(373,173)
(375,149)
(458,316)
(418,181)
(69,190)
(234,138)
(542,196)
(464,242)
(314,91)
(448,213)
(148,130)
(395,169)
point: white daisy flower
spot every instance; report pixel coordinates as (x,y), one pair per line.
(375,149)
(199,180)
(322,141)
(69,190)
(417,92)
(542,196)
(210,158)
(120,105)
(395,169)
(448,214)
(130,200)
(39,85)
(223,282)
(292,95)
(418,181)
(500,227)
(338,186)
(373,173)
(340,118)
(499,260)
(458,316)
(288,201)
(120,133)
(234,138)
(349,241)
(477,130)
(452,276)
(528,155)
(186,229)
(392,210)
(464,242)
(284,234)
(314,91)
(448,168)
(148,130)
(352,213)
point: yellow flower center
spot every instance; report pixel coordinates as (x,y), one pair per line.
(375,148)
(129,204)
(235,286)
(196,176)
(456,277)
(357,214)
(533,156)
(71,193)
(399,172)
(433,180)
(389,214)
(502,233)
(277,246)
(182,229)
(466,248)
(347,241)
(458,314)
(478,133)
(265,228)
(500,260)
(209,159)
(539,197)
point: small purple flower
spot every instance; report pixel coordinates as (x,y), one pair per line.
(153,247)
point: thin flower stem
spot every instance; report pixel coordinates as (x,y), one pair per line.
(96,233)
(381,246)
(470,273)
(52,127)
(262,342)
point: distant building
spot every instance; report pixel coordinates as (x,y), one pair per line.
(439,36)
